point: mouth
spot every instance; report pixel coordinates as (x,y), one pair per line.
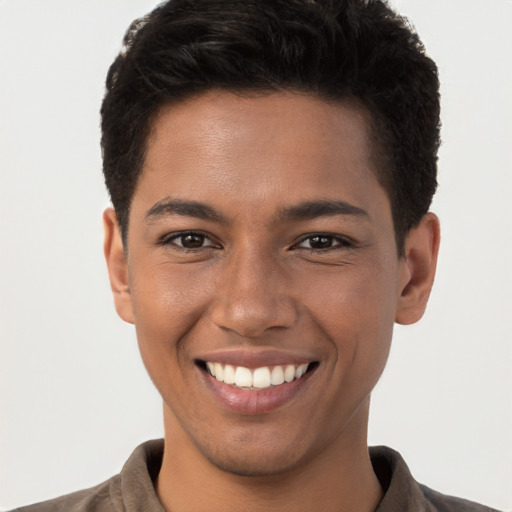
(256,379)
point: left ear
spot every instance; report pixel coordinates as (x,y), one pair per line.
(420,260)
(117,266)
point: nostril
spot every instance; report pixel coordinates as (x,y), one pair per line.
(251,310)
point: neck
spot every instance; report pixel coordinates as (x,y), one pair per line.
(339,479)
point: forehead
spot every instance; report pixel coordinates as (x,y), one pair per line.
(254,150)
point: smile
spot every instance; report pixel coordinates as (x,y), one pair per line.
(257,382)
(259,378)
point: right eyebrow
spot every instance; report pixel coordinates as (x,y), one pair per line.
(322,208)
(170,206)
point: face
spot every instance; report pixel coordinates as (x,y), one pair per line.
(262,276)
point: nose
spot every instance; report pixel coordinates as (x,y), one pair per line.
(253,295)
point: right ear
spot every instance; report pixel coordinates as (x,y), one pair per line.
(117,266)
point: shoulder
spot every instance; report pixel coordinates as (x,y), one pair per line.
(94,499)
(403,493)
(442,503)
(132,489)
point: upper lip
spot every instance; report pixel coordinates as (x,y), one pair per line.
(256,358)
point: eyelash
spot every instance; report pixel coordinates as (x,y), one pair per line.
(340,242)
(337,241)
(170,239)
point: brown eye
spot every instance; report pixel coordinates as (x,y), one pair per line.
(320,242)
(189,240)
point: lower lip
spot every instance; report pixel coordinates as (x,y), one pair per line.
(253,402)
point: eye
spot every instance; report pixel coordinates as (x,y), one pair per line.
(189,240)
(323,241)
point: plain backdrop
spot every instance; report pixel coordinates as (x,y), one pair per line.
(74,397)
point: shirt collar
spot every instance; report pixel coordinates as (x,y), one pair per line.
(135,489)
(401,491)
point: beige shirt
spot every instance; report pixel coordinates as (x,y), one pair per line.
(132,490)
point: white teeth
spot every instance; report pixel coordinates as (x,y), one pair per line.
(300,371)
(289,373)
(219,371)
(229,374)
(259,378)
(277,376)
(243,377)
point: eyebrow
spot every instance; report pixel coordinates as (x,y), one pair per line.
(169,206)
(324,208)
(302,211)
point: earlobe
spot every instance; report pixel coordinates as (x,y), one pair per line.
(117,266)
(420,260)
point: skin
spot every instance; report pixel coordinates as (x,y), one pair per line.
(259,280)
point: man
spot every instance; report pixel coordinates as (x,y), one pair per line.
(271,166)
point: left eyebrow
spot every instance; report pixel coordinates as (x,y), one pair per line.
(325,208)
(170,206)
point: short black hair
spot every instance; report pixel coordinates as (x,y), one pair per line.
(341,50)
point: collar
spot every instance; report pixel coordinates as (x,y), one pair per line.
(134,487)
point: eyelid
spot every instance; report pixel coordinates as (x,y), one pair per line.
(343,241)
(170,239)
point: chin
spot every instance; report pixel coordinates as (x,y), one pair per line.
(257,460)
(261,466)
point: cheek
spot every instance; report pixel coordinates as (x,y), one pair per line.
(361,298)
(357,311)
(168,296)
(167,304)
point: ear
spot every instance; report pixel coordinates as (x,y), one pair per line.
(117,266)
(420,260)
